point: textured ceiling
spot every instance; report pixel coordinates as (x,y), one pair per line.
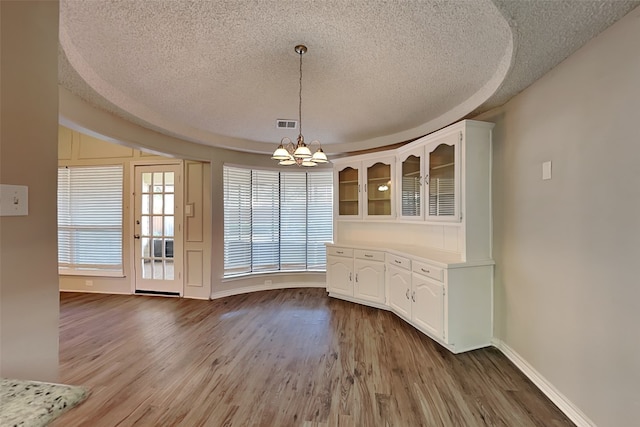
(221,73)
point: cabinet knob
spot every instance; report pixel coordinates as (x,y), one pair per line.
(397,261)
(407,294)
(368,255)
(413,296)
(425,271)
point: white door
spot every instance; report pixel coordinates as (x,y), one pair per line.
(399,290)
(158,229)
(427,311)
(369,281)
(339,275)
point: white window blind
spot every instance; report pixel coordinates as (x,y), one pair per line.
(319,218)
(276,221)
(293,215)
(90,220)
(265,218)
(237,220)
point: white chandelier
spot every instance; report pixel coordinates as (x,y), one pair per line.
(289,154)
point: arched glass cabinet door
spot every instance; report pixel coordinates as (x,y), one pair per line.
(442,180)
(348,192)
(378,189)
(411,204)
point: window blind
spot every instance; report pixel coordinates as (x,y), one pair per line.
(276,221)
(237,220)
(90,219)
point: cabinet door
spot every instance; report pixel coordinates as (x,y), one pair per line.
(378,187)
(340,275)
(427,311)
(369,280)
(443,178)
(348,191)
(410,171)
(399,291)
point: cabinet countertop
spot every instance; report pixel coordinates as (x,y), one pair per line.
(433,256)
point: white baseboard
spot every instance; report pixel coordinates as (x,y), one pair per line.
(560,400)
(84,291)
(257,288)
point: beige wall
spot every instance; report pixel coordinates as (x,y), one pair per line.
(78,149)
(567,249)
(28,153)
(82,117)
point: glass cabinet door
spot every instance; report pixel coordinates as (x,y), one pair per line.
(441,181)
(411,187)
(348,192)
(378,189)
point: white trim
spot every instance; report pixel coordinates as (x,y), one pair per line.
(560,400)
(78,291)
(257,288)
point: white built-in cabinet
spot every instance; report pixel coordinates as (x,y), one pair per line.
(431,264)
(364,188)
(428,177)
(357,274)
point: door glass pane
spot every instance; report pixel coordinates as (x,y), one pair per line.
(157,269)
(348,191)
(144,226)
(157,226)
(146,268)
(157,203)
(168,182)
(411,202)
(442,181)
(379,189)
(168,226)
(146,247)
(145,203)
(146,182)
(157,182)
(168,270)
(168,204)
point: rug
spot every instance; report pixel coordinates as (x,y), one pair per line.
(35,404)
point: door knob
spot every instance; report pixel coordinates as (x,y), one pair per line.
(136,236)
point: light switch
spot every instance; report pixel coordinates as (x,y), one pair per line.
(546,170)
(14,200)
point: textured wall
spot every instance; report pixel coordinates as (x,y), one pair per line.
(28,156)
(566,249)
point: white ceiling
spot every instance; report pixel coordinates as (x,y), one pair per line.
(221,73)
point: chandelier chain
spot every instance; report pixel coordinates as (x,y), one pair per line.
(300,96)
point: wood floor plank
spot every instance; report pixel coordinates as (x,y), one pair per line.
(291,357)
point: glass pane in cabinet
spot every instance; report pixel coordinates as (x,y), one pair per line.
(379,189)
(348,191)
(442,181)
(411,202)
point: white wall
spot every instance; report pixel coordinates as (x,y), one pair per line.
(28,156)
(567,250)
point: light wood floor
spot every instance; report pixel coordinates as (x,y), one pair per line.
(279,358)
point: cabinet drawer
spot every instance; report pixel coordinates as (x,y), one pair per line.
(399,261)
(370,255)
(428,270)
(335,251)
